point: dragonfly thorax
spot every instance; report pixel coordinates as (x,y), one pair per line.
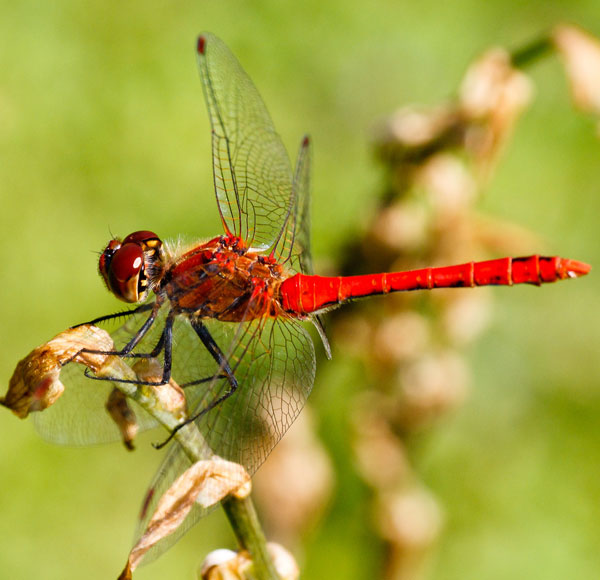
(132,267)
(223,279)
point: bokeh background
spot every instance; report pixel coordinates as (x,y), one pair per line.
(103,128)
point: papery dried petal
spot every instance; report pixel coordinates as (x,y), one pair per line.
(285,564)
(215,478)
(400,227)
(411,518)
(205,482)
(122,414)
(464,316)
(35,384)
(224,565)
(449,185)
(170,396)
(216,558)
(228,565)
(412,135)
(92,338)
(493,95)
(381,457)
(492,84)
(580,52)
(416,127)
(126,574)
(243,491)
(431,386)
(400,337)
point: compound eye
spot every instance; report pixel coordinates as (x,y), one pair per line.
(125,272)
(106,258)
(141,237)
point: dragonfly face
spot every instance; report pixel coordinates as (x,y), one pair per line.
(132,267)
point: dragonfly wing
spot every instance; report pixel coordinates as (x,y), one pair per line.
(172,466)
(273,361)
(79,416)
(296,249)
(252,173)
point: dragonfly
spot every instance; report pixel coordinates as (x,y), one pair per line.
(226,317)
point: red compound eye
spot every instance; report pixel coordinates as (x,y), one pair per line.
(124,265)
(106,257)
(122,269)
(141,237)
(127,262)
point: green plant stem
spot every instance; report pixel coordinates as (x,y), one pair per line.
(247,529)
(528,54)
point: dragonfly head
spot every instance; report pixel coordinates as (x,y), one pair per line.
(131,267)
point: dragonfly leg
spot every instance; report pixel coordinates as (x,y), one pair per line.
(165,342)
(142,308)
(221,360)
(126,350)
(143,330)
(225,373)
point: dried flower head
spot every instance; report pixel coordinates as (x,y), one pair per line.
(580,52)
(35,384)
(170,396)
(228,565)
(205,482)
(410,518)
(492,96)
(122,414)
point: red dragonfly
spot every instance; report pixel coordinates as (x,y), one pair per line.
(224,317)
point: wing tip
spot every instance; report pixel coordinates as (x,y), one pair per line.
(201,44)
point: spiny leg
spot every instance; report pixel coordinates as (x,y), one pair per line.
(225,373)
(126,350)
(165,342)
(142,308)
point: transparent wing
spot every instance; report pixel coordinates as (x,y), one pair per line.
(252,172)
(79,416)
(274,363)
(172,466)
(296,250)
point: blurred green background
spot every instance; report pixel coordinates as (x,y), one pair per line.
(103,127)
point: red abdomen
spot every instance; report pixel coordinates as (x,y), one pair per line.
(303,294)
